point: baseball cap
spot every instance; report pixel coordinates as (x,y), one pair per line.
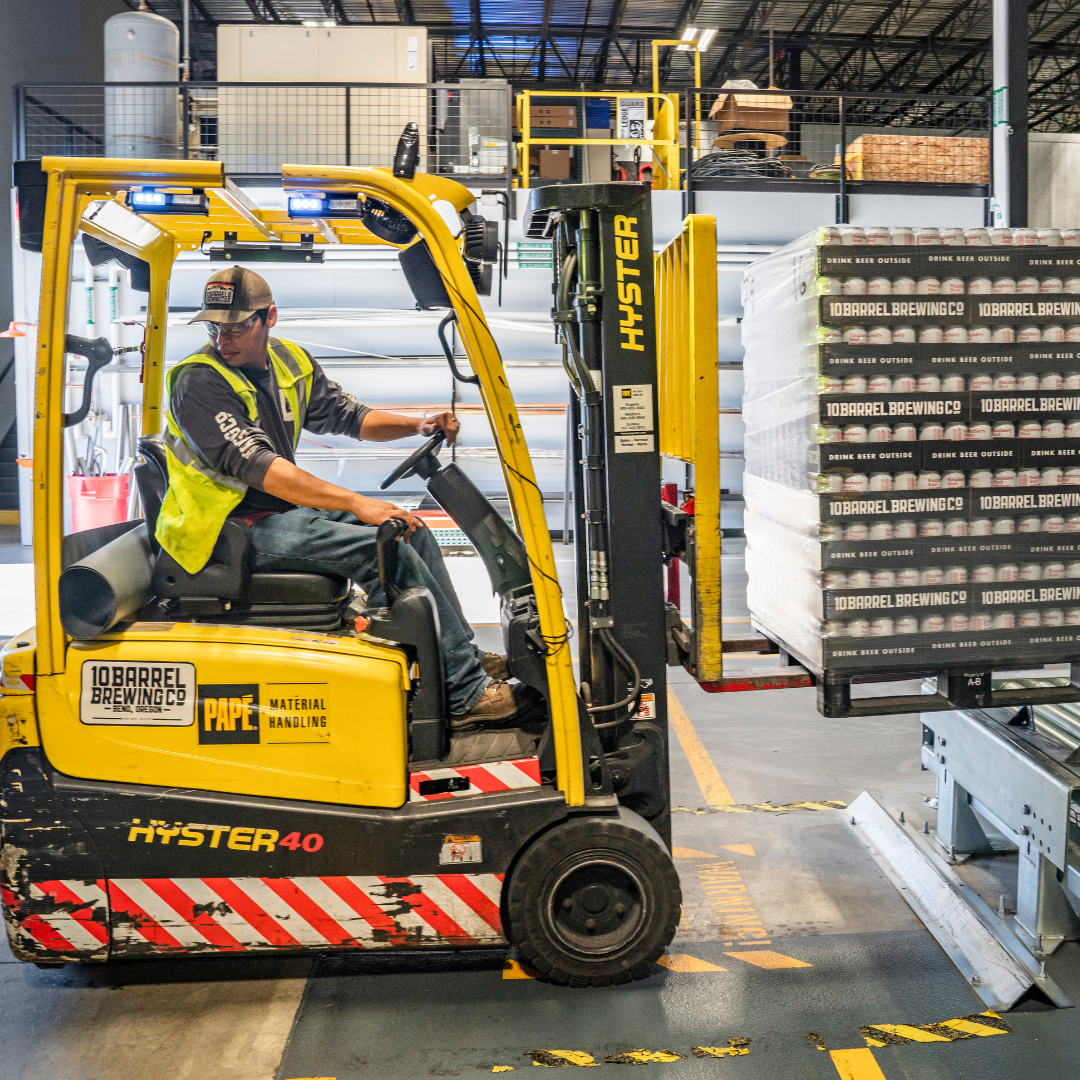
(233,295)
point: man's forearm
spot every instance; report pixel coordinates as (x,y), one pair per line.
(380,426)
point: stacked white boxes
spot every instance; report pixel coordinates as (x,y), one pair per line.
(912,410)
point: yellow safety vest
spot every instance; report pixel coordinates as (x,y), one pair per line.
(200,498)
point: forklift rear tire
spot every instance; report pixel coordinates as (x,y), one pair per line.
(594,901)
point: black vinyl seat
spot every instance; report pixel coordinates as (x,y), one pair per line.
(226,590)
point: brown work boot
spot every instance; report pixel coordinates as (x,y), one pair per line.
(495,666)
(498,704)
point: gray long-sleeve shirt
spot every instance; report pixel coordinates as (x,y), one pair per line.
(214,422)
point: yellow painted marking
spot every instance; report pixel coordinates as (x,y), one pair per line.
(766,958)
(712,786)
(739,849)
(960,1027)
(735,1048)
(684,963)
(965,1025)
(515,969)
(502,1068)
(643,1057)
(563,1059)
(915,1034)
(856,1065)
(761,808)
(690,853)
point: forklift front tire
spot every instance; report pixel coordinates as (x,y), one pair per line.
(594,901)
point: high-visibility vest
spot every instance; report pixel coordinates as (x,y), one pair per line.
(200,498)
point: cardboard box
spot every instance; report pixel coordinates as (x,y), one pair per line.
(548,116)
(555,163)
(919,158)
(751,112)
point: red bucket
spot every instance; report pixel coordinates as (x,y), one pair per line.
(97,501)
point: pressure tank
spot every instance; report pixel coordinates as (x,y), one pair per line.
(141,121)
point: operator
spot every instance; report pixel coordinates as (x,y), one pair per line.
(235,414)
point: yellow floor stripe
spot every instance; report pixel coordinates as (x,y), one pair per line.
(739,849)
(643,1057)
(735,1048)
(684,963)
(766,958)
(690,853)
(961,1027)
(761,808)
(515,969)
(561,1059)
(712,786)
(856,1065)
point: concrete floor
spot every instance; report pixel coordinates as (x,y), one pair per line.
(837,948)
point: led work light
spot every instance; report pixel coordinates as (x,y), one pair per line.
(149,201)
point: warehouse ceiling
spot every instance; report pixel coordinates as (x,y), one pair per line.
(903,46)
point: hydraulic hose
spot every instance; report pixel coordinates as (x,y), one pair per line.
(634,697)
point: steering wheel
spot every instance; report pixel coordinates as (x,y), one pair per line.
(415,463)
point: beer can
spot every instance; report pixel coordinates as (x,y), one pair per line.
(856,531)
(956,575)
(833,628)
(1054,571)
(1054,334)
(855,433)
(903,335)
(904,383)
(1004,429)
(932,432)
(1028,477)
(904,432)
(858,483)
(906,624)
(1050,237)
(1025,286)
(1053,429)
(1072,525)
(1002,335)
(1027,334)
(928,384)
(1004,478)
(1004,620)
(879,335)
(953,383)
(830,483)
(1027,380)
(931,335)
(831,532)
(855,384)
(1051,476)
(1070,237)
(1030,571)
(905,530)
(1071,381)
(903,286)
(1071,285)
(929,480)
(932,624)
(1003,286)
(952,286)
(1001,238)
(978,335)
(1055,523)
(956,335)
(1072,617)
(856,286)
(1025,238)
(1051,380)
(981,381)
(952,237)
(1027,619)
(852,234)
(880,481)
(982,575)
(907,577)
(854,335)
(1029,524)
(1072,428)
(834,579)
(980,620)
(883,579)
(881,627)
(829,335)
(1006,380)
(980,286)
(879,286)
(1051,285)
(955,432)
(928,286)
(957,623)
(1003,527)
(952,479)
(858,579)
(979,431)
(976,238)
(956,527)
(828,286)
(932,575)
(980,527)
(902,236)
(881,530)
(904,481)
(877,236)
(931,528)
(879,433)
(830,384)
(927,238)
(1070,476)
(1008,572)
(1073,570)
(829,433)
(858,628)
(829,236)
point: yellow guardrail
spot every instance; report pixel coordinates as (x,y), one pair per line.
(687,357)
(664,144)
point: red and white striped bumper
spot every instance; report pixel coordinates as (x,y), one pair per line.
(483,779)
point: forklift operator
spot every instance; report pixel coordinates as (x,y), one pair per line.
(236,409)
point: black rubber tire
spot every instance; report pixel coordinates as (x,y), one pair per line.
(610,872)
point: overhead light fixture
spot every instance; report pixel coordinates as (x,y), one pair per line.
(151,201)
(706,38)
(689,33)
(309,22)
(691,38)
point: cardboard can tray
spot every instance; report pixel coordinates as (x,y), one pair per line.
(958,503)
(840,360)
(951,551)
(846,260)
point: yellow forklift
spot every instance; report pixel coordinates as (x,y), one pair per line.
(238,761)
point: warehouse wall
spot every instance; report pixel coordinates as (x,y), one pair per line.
(1053,180)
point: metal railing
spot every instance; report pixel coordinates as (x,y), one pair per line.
(254,128)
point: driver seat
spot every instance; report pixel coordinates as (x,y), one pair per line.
(226,590)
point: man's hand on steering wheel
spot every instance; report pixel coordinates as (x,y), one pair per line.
(445,422)
(375,512)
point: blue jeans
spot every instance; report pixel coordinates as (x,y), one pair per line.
(335,542)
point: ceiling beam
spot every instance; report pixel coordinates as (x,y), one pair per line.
(614,28)
(405,12)
(740,37)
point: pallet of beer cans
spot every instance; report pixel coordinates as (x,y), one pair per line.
(912,411)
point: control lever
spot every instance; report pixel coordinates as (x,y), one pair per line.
(386,540)
(449,353)
(98,353)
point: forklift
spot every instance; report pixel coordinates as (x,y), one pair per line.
(237,761)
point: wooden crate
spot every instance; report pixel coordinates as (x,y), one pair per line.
(919,158)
